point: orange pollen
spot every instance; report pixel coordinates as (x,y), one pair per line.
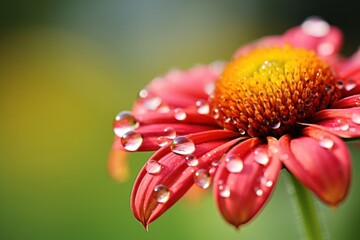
(270,90)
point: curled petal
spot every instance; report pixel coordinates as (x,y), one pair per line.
(341,122)
(320,161)
(175,174)
(241,192)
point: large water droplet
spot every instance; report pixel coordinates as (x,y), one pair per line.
(153,167)
(350,84)
(162,193)
(315,27)
(152,103)
(355,118)
(224,191)
(170,133)
(261,157)
(163,141)
(202,178)
(191,160)
(182,145)
(234,164)
(179,114)
(326,143)
(124,122)
(131,140)
(203,107)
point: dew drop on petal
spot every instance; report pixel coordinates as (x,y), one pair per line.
(143,93)
(326,143)
(350,84)
(203,107)
(153,167)
(242,131)
(224,191)
(162,193)
(234,164)
(259,192)
(275,124)
(163,141)
(315,27)
(261,157)
(179,114)
(124,122)
(344,127)
(339,84)
(191,160)
(355,118)
(329,88)
(170,133)
(216,113)
(131,140)
(202,178)
(266,182)
(182,145)
(152,103)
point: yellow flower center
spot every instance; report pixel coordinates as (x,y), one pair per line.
(270,90)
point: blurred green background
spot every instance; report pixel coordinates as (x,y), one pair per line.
(66,69)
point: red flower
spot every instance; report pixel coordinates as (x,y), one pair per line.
(282,101)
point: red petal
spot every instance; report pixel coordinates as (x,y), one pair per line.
(349,70)
(348,102)
(240,195)
(341,122)
(320,161)
(175,174)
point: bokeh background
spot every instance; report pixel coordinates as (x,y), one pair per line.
(67,67)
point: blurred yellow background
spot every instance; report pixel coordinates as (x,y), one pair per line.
(67,68)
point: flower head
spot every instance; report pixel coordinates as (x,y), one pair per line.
(282,101)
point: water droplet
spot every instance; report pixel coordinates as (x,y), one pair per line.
(124,122)
(266,182)
(202,178)
(339,84)
(224,191)
(329,88)
(170,133)
(179,114)
(209,88)
(261,157)
(152,103)
(234,164)
(315,27)
(216,113)
(350,84)
(164,109)
(242,131)
(182,145)
(191,160)
(344,127)
(258,191)
(307,102)
(275,124)
(162,141)
(326,48)
(326,143)
(162,193)
(131,140)
(355,118)
(203,107)
(153,167)
(143,93)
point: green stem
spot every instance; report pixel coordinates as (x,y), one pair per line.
(307,209)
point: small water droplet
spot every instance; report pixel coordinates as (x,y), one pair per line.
(203,107)
(143,93)
(124,122)
(355,118)
(131,140)
(242,131)
(275,124)
(344,127)
(163,141)
(308,102)
(216,113)
(261,157)
(339,84)
(329,88)
(153,167)
(224,191)
(179,114)
(162,193)
(234,164)
(202,178)
(182,145)
(266,182)
(152,103)
(170,133)
(350,84)
(191,160)
(259,192)
(326,143)
(316,27)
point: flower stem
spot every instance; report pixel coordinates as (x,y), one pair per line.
(307,211)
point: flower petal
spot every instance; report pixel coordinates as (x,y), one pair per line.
(175,174)
(118,165)
(320,161)
(349,71)
(241,192)
(341,122)
(348,102)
